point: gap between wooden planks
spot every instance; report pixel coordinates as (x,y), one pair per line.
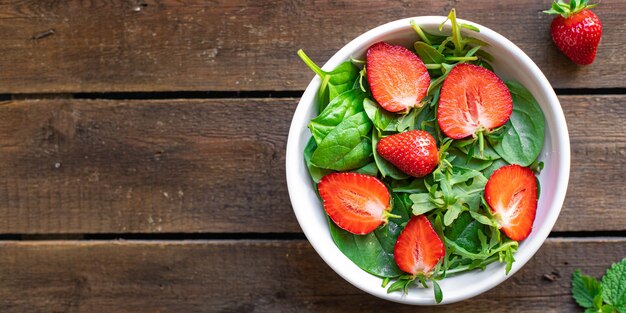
(217,166)
(259,276)
(108,46)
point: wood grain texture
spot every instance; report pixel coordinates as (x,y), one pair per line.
(100,46)
(144,166)
(287,276)
(81,166)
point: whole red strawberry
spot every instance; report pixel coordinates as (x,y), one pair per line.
(576,31)
(413,152)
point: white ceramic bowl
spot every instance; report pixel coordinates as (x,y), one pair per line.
(510,63)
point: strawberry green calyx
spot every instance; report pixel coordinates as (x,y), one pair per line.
(567,10)
(387,215)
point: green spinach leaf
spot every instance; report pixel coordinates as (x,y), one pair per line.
(335,82)
(493,167)
(428,54)
(315,172)
(470,147)
(374,252)
(347,146)
(461,161)
(523,138)
(413,186)
(382,119)
(369,169)
(342,107)
(464,232)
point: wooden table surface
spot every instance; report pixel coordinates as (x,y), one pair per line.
(142,149)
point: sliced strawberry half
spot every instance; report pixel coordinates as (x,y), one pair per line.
(472,99)
(511,193)
(397,77)
(418,248)
(355,202)
(413,152)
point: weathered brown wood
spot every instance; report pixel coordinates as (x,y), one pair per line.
(598,147)
(247,276)
(147,166)
(79,166)
(248,45)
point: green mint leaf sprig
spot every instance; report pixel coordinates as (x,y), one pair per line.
(614,286)
(607,296)
(585,289)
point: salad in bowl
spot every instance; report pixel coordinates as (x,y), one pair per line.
(420,156)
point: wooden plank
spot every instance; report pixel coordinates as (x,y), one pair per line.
(598,149)
(247,276)
(144,166)
(217,165)
(100,46)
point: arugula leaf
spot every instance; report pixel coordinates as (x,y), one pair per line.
(585,289)
(482,219)
(335,82)
(426,37)
(402,284)
(347,146)
(614,285)
(523,138)
(506,256)
(471,193)
(407,121)
(437,290)
(342,107)
(455,192)
(422,203)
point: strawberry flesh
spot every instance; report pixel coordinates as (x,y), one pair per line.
(577,36)
(511,193)
(398,78)
(418,248)
(472,99)
(413,152)
(356,203)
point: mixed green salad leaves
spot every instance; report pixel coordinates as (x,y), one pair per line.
(350,124)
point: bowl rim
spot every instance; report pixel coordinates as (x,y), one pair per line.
(294,161)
